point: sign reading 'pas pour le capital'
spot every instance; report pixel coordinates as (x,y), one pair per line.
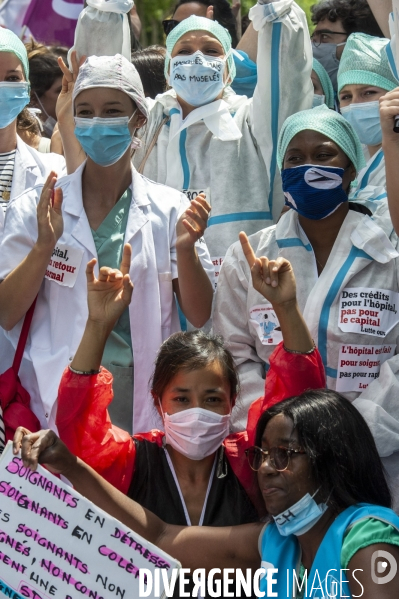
(56,543)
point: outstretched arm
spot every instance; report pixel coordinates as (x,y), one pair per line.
(194,546)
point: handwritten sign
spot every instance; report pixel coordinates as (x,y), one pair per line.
(56,543)
(368,311)
(64,265)
(359,365)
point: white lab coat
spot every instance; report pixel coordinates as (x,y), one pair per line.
(228,147)
(30,168)
(61,311)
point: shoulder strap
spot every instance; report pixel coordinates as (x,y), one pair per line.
(23,338)
(151,145)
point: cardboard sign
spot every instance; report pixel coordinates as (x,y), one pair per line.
(64,265)
(368,310)
(264,322)
(359,365)
(56,543)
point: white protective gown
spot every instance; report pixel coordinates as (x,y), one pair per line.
(228,148)
(61,310)
(371,180)
(351,309)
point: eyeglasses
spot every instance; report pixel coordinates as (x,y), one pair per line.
(279,457)
(323,36)
(169,25)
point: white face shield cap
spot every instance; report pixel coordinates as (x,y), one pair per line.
(114,72)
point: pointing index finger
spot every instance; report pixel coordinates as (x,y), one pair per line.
(126,259)
(247,249)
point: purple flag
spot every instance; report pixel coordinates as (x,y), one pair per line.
(53,21)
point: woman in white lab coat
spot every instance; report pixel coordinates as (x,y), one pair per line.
(20,165)
(346,267)
(104,205)
(200,136)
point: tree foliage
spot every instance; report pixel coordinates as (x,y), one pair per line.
(152,12)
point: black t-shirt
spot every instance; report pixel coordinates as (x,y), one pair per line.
(153,486)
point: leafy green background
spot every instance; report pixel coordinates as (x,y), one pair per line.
(152,12)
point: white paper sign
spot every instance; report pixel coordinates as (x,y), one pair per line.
(217,263)
(56,543)
(64,265)
(359,365)
(368,311)
(264,322)
(193,193)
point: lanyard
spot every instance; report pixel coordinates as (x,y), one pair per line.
(181,494)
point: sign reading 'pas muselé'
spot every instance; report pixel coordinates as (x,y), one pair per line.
(56,543)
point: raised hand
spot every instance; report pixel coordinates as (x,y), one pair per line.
(110,294)
(193,222)
(64,101)
(50,223)
(43,447)
(389,110)
(274,279)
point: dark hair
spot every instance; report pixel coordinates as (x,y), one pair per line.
(28,123)
(340,446)
(222,13)
(356,15)
(150,64)
(43,67)
(189,351)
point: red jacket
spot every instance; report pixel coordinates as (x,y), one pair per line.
(85,427)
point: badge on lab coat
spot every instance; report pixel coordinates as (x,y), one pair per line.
(217,264)
(368,311)
(359,365)
(263,320)
(64,265)
(193,193)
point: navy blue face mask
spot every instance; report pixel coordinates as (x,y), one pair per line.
(313,191)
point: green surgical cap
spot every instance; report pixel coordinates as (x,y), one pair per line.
(325,82)
(364,62)
(195,23)
(9,42)
(329,123)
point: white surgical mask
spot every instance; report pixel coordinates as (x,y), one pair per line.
(365,119)
(198,79)
(300,517)
(196,433)
(49,124)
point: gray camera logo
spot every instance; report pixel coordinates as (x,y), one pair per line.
(382,567)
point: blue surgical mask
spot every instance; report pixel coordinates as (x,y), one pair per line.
(318,100)
(197,79)
(327,55)
(14,96)
(300,517)
(313,191)
(104,140)
(365,119)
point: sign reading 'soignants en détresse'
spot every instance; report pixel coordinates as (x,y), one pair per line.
(56,543)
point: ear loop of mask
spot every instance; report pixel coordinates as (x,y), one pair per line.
(136,142)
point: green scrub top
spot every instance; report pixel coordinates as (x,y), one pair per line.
(118,353)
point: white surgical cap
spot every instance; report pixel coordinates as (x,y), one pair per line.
(114,72)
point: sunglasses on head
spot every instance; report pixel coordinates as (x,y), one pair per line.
(169,25)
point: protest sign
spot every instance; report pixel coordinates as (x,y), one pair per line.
(52,21)
(368,310)
(56,543)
